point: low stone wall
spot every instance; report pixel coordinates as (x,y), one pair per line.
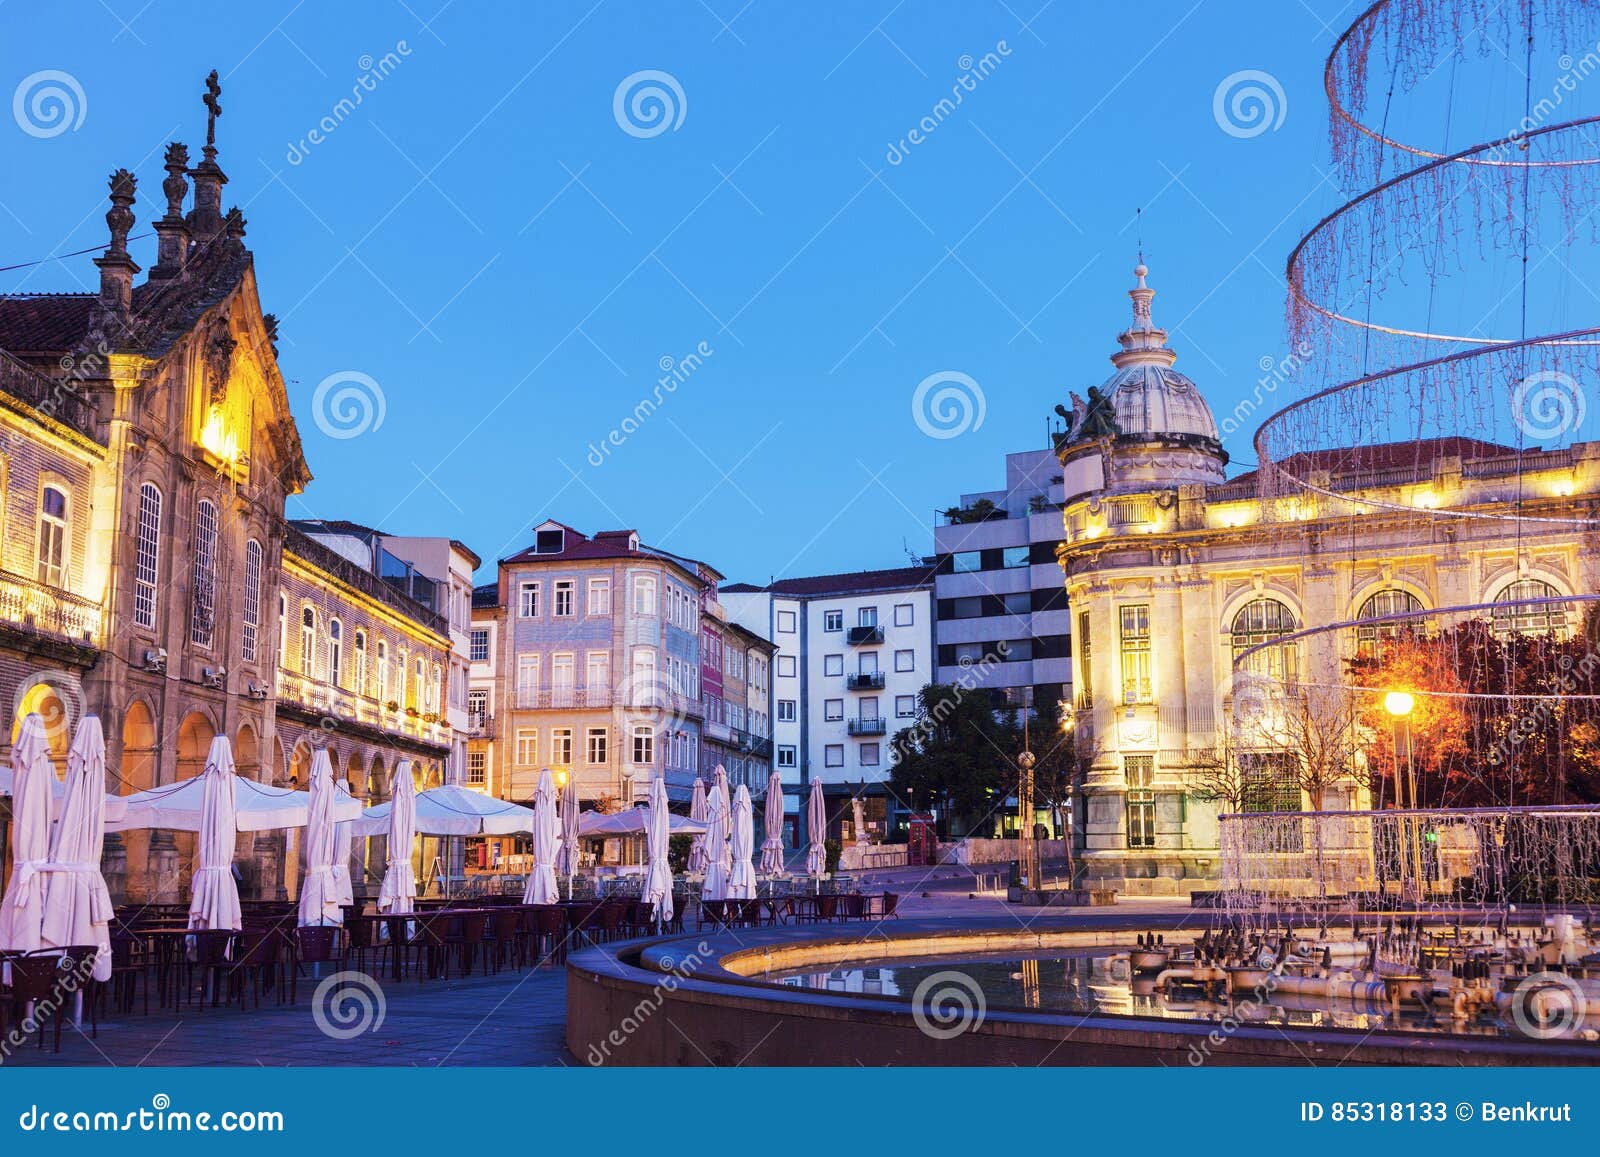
(865,857)
(975,851)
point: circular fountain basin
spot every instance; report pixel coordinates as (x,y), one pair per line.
(980,992)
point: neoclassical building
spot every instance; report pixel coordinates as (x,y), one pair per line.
(1172,571)
(147,573)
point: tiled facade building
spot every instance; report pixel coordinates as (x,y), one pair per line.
(589,658)
(147,573)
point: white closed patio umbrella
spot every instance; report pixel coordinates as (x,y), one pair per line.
(213,894)
(657,888)
(32,777)
(319,889)
(571,852)
(742,876)
(816,829)
(541,887)
(718,860)
(77,905)
(697,811)
(772,846)
(344,888)
(398,895)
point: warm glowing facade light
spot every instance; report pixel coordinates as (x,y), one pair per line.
(1399,703)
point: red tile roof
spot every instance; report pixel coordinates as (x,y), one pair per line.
(43,322)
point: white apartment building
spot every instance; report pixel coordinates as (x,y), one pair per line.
(853,651)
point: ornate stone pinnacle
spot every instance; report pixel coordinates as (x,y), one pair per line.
(120,216)
(176,186)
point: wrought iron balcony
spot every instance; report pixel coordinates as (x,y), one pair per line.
(867,726)
(864,636)
(865,682)
(480,725)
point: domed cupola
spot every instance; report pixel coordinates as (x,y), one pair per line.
(1148,421)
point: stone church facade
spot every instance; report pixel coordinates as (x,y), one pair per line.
(147,573)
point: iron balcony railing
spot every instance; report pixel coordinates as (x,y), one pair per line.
(48,610)
(864,636)
(867,726)
(865,682)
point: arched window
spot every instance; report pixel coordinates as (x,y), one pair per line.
(1370,636)
(383,671)
(147,553)
(53,510)
(1262,621)
(252,601)
(400,679)
(335,651)
(644,594)
(308,641)
(419,687)
(1517,617)
(359,675)
(203,620)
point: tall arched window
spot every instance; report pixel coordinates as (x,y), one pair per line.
(308,641)
(283,629)
(383,671)
(1370,636)
(419,687)
(252,601)
(1518,617)
(359,674)
(147,553)
(203,620)
(400,680)
(1262,621)
(335,652)
(53,510)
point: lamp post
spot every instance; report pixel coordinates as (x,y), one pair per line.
(1399,705)
(1027,849)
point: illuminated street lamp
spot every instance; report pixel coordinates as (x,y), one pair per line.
(1399,705)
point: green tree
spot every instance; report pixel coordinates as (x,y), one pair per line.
(958,758)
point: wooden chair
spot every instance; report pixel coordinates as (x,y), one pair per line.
(315,946)
(550,926)
(213,951)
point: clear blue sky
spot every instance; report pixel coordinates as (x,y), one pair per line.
(483,239)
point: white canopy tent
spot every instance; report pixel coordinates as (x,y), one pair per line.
(657,889)
(633,821)
(817,827)
(258,807)
(77,905)
(742,872)
(319,889)
(541,887)
(22,909)
(772,845)
(451,810)
(697,812)
(719,861)
(398,894)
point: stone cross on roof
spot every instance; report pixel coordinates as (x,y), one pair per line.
(213,106)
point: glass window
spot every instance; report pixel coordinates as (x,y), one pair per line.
(528,600)
(786,622)
(1014,556)
(359,675)
(53,537)
(527,748)
(905,706)
(527,680)
(1019,603)
(1370,636)
(1137,686)
(477,767)
(966,561)
(785,710)
(564,594)
(869,755)
(561,746)
(308,641)
(833,664)
(786,756)
(1519,617)
(598,740)
(1139,771)
(1085,667)
(644,594)
(147,556)
(786,666)
(1262,621)
(599,596)
(833,620)
(335,650)
(905,614)
(644,745)
(480,646)
(832,709)
(205,574)
(905,660)
(833,755)
(251,631)
(866,616)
